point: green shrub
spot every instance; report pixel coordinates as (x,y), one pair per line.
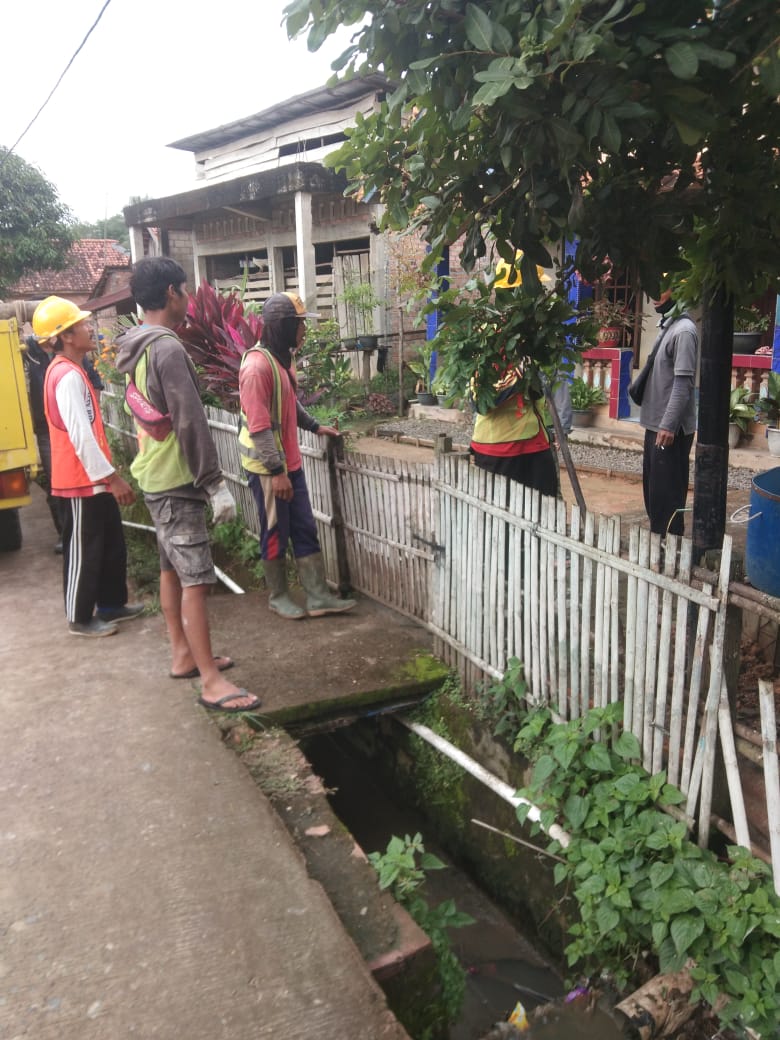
(640,883)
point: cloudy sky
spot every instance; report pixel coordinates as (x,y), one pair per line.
(152,72)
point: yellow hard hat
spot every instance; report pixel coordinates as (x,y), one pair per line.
(55,314)
(508,275)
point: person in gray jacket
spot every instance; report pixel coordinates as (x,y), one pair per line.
(668,414)
(178,470)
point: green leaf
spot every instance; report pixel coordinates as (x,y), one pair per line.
(678,901)
(543,770)
(610,131)
(682,60)
(627,746)
(576,809)
(490,92)
(597,758)
(607,918)
(688,134)
(720,59)
(502,38)
(593,886)
(685,931)
(659,931)
(660,873)
(479,28)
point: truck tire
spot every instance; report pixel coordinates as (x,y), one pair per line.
(10,530)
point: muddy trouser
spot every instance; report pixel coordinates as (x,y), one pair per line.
(44,477)
(282,522)
(94,558)
(665,475)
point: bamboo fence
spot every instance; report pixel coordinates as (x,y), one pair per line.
(597,613)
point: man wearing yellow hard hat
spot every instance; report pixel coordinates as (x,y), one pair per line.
(512,438)
(83,477)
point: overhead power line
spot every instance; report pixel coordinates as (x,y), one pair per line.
(73,57)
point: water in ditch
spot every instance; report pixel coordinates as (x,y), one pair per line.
(501,965)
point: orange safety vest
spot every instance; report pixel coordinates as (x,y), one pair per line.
(69,479)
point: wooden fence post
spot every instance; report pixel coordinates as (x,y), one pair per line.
(335,454)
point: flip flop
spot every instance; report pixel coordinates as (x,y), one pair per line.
(193,673)
(218,705)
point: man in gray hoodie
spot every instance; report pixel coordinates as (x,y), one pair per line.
(178,471)
(668,414)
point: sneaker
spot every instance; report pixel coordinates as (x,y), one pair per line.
(125,613)
(93,629)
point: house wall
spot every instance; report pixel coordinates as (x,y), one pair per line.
(261,151)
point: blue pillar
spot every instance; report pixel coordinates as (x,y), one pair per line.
(776,339)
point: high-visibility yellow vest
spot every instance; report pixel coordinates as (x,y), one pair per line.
(250,457)
(159,465)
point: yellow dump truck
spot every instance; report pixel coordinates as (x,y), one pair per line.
(18,450)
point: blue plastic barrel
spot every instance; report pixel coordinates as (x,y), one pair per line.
(762,547)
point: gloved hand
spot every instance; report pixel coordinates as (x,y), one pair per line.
(223,505)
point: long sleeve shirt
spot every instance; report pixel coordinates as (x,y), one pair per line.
(75,404)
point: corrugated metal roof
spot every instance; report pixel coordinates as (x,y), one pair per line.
(313,101)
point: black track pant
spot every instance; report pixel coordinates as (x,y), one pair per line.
(94,556)
(665,474)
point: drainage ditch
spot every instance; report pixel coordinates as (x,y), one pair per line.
(367,769)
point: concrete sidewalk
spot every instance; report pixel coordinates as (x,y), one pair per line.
(147,889)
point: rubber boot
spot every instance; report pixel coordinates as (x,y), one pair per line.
(319,599)
(276,578)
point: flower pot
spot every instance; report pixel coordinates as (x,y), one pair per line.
(735,433)
(425,398)
(367,342)
(609,336)
(442,400)
(746,342)
(350,344)
(581,417)
(773,439)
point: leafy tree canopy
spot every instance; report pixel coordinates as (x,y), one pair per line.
(648,130)
(111,227)
(35,226)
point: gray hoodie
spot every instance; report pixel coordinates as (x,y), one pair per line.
(172,387)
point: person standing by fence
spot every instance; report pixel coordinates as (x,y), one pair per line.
(83,477)
(178,471)
(268,440)
(668,415)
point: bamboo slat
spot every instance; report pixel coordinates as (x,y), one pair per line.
(574,617)
(766,700)
(679,669)
(662,676)
(561,574)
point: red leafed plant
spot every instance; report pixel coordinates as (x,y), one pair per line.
(217,333)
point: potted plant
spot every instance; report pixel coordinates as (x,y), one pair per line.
(768,407)
(749,326)
(441,388)
(360,301)
(584,398)
(612,318)
(422,369)
(740,413)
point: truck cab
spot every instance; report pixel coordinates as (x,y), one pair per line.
(18,448)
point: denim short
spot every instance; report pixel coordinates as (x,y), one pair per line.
(182,539)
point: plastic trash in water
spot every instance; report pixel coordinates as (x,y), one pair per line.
(518,1018)
(576,994)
